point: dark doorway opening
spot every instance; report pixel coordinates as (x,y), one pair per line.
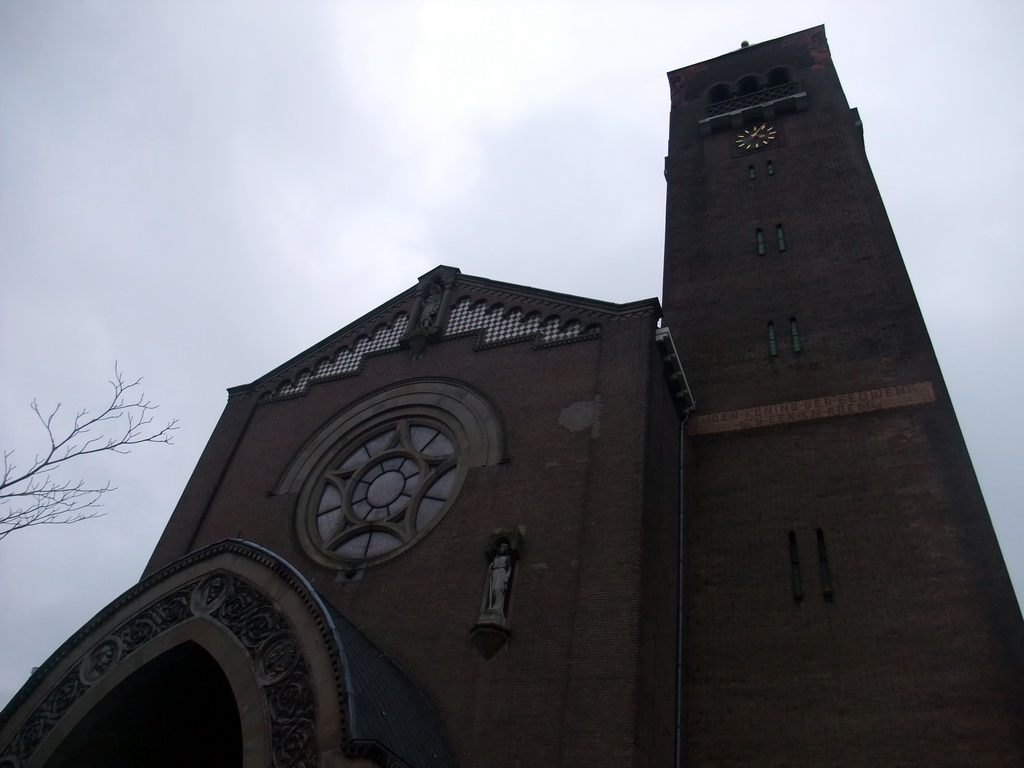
(177,710)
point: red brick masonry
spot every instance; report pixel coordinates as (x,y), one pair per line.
(815,408)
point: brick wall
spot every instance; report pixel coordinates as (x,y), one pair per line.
(564,691)
(914,658)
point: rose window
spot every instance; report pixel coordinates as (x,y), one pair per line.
(383,492)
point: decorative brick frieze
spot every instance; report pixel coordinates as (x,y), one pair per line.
(497,327)
(544,319)
(813,409)
(347,361)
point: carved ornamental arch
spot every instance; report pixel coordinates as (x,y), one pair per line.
(256,616)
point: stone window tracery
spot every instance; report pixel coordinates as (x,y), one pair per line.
(377,476)
(382,491)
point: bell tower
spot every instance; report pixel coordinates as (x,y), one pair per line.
(847,602)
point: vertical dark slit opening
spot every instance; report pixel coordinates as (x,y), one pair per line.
(794,562)
(826,574)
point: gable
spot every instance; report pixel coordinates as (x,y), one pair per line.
(445,305)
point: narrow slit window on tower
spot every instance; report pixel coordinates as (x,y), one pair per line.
(760,243)
(794,564)
(773,348)
(771,168)
(826,575)
(753,174)
(794,334)
(781,236)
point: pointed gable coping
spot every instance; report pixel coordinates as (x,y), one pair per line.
(499,313)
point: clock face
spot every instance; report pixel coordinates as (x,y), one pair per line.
(756,137)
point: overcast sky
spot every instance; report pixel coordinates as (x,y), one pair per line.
(200,190)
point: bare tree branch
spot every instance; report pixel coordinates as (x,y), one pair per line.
(35,496)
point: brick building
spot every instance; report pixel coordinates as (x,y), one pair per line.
(487,524)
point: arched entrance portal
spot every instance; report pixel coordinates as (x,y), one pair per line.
(226,657)
(176,710)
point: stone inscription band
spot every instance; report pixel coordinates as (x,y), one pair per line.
(815,408)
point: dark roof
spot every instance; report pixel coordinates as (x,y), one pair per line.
(385,707)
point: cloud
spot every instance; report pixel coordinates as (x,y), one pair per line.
(202,190)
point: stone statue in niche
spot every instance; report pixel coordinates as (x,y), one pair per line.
(429,311)
(491,632)
(431,306)
(499,572)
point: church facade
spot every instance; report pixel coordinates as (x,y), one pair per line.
(488,524)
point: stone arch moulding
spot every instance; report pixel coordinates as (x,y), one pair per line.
(471,417)
(279,645)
